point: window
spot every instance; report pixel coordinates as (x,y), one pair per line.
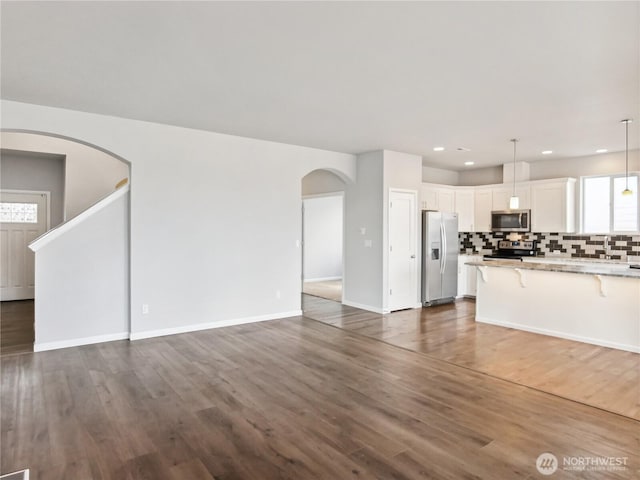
(605,209)
(18,212)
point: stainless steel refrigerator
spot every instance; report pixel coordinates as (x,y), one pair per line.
(439,257)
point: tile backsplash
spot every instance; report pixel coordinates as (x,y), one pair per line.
(556,244)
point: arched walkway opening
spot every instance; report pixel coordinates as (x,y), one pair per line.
(323,206)
(49,183)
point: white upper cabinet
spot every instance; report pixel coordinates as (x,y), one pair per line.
(553,206)
(429,198)
(464,200)
(502,195)
(434,197)
(552,203)
(482,209)
(447,201)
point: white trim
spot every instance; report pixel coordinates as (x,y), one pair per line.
(568,336)
(322,279)
(76,342)
(209,325)
(43,240)
(362,306)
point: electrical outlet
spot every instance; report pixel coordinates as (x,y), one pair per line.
(145,309)
(278,294)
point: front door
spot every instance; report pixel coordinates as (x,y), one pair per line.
(403,264)
(23,218)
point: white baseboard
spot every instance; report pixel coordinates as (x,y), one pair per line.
(206,326)
(362,306)
(321,279)
(76,342)
(567,336)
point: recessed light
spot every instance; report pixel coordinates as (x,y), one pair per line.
(547,152)
(438,149)
(602,150)
(468,163)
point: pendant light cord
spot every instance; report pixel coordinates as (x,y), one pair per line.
(626,156)
(514,165)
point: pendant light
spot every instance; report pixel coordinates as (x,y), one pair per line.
(626,191)
(514,201)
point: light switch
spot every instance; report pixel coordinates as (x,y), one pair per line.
(363,230)
(368,243)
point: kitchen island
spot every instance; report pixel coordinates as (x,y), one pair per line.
(596,303)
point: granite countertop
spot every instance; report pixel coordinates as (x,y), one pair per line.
(610,269)
(580,260)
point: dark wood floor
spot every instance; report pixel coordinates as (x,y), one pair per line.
(291,399)
(602,377)
(16,327)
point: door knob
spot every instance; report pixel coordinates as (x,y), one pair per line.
(413,256)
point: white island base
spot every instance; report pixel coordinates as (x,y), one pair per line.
(588,307)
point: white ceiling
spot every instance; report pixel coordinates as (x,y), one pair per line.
(349,77)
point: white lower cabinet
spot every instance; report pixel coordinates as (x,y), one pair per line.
(462,275)
(466,276)
(472,281)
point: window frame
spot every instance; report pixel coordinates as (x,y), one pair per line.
(612,193)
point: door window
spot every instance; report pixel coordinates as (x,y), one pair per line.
(11,212)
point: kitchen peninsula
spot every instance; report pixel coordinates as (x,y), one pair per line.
(596,303)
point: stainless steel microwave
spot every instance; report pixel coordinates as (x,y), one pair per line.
(511,221)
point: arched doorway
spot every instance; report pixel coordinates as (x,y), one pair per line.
(323,203)
(73,177)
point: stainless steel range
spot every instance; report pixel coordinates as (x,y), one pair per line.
(513,250)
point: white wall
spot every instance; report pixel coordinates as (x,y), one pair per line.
(601,164)
(439,175)
(82,280)
(35,171)
(89,173)
(362,284)
(215,219)
(366,282)
(323,220)
(481,176)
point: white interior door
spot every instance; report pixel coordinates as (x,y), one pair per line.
(23,218)
(403,264)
